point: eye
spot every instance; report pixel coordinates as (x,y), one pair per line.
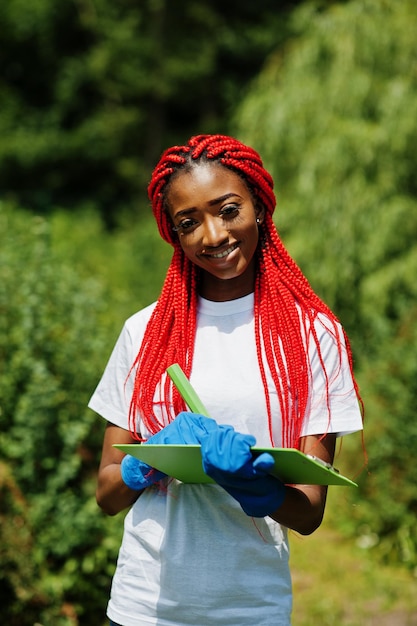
(185,226)
(230,211)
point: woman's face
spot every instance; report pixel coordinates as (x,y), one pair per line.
(215,217)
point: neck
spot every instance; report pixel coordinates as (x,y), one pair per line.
(218,290)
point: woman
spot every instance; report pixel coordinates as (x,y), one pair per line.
(270,362)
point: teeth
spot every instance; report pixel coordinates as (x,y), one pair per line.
(221,255)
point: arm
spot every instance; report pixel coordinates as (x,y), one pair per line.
(303,506)
(121,483)
(112,494)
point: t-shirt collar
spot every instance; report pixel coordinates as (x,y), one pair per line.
(230,307)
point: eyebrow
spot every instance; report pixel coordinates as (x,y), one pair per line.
(211,203)
(222,198)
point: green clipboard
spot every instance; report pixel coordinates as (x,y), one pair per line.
(184,462)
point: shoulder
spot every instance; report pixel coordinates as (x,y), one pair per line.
(137,322)
(132,332)
(326,344)
(321,327)
(328,328)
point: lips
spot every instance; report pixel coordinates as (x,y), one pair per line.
(222,254)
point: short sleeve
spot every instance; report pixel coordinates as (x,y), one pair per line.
(339,410)
(111,399)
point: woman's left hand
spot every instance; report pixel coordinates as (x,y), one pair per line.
(227,458)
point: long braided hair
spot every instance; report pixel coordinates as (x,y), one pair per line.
(285,305)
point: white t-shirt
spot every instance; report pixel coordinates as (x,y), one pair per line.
(189,554)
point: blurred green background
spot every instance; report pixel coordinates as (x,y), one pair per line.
(91,92)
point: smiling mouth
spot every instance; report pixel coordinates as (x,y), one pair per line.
(221,255)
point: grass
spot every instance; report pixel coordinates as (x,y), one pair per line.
(338,583)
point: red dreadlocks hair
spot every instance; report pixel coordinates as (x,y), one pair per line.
(281,293)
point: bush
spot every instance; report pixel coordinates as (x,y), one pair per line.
(52,348)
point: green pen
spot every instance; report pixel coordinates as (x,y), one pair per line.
(186,390)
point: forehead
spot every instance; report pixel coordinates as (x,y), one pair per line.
(204,183)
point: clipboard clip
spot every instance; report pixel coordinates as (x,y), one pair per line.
(323,463)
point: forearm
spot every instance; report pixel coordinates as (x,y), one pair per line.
(112,494)
(302,509)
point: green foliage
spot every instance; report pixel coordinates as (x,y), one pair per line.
(131,260)
(51,353)
(391,485)
(91,93)
(334,117)
(18,573)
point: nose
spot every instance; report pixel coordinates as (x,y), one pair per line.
(214,232)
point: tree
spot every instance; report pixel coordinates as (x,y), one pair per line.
(334,116)
(91,93)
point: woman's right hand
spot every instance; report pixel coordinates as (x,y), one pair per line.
(186,428)
(118,487)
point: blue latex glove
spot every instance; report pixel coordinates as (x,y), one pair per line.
(227,458)
(137,474)
(188,428)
